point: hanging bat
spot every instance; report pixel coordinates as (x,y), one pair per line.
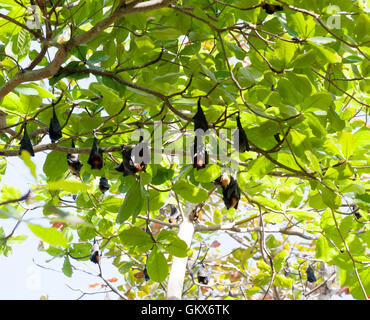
(127,166)
(231,194)
(103,184)
(310,274)
(203,275)
(241,137)
(142,155)
(55,130)
(96,156)
(223,180)
(199,119)
(95,255)
(26,143)
(230,190)
(200,154)
(174,215)
(272,8)
(74,163)
(277,138)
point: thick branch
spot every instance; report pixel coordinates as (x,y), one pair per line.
(61,55)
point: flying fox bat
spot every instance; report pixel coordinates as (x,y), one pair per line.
(95,255)
(26,143)
(73,161)
(199,119)
(103,184)
(55,130)
(96,156)
(241,137)
(272,8)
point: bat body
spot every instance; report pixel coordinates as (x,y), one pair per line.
(103,184)
(271,8)
(230,190)
(55,130)
(203,275)
(241,137)
(174,215)
(73,162)
(96,156)
(310,274)
(26,143)
(277,138)
(199,119)
(95,255)
(128,166)
(199,154)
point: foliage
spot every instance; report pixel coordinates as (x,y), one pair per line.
(109,68)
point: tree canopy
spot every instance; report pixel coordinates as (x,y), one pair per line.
(82,81)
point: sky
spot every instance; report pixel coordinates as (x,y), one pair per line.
(21,278)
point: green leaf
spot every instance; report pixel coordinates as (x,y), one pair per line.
(156,200)
(279,260)
(304,215)
(318,101)
(282,281)
(26,157)
(208,174)
(71,186)
(49,235)
(136,237)
(55,165)
(190,192)
(132,204)
(111,100)
(157,265)
(67,268)
(346,141)
(173,244)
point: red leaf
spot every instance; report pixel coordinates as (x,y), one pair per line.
(113,279)
(139,275)
(94,285)
(215,244)
(235,275)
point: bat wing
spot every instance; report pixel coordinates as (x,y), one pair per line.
(26,143)
(199,119)
(240,137)
(55,130)
(96,156)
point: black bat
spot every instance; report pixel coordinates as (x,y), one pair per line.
(277,137)
(203,275)
(230,190)
(310,274)
(200,154)
(241,137)
(103,184)
(174,215)
(231,194)
(199,119)
(223,180)
(26,143)
(127,166)
(272,8)
(74,163)
(55,130)
(95,255)
(96,156)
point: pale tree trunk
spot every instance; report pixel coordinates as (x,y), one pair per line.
(177,274)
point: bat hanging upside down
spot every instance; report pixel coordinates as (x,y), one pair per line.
(230,190)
